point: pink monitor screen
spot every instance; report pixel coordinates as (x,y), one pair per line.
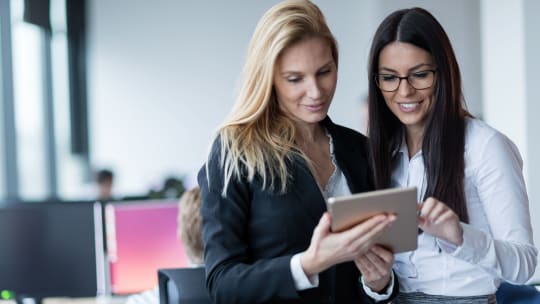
(142,237)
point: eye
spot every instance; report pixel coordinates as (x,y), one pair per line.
(421,74)
(294,79)
(387,77)
(324,71)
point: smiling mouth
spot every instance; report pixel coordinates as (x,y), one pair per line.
(315,107)
(409,106)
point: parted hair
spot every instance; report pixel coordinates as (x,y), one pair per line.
(443,144)
(190,223)
(256,138)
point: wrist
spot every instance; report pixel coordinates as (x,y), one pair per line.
(307,261)
(379,287)
(455,238)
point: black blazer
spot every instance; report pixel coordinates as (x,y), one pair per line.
(250,235)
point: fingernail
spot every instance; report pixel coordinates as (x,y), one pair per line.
(380,218)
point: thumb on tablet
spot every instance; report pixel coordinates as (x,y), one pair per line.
(323,226)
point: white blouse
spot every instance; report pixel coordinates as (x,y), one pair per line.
(497,241)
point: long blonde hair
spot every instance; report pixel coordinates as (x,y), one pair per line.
(256,138)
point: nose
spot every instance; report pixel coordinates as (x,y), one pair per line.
(314,89)
(404,87)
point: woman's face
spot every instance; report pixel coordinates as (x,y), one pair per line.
(410,105)
(305,80)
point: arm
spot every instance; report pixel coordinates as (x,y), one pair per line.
(231,276)
(248,263)
(508,252)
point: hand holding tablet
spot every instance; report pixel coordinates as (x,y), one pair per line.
(354,209)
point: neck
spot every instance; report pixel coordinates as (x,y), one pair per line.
(308,133)
(414,138)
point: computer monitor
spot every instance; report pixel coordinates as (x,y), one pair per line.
(141,237)
(49,249)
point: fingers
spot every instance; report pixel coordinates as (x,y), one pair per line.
(427,206)
(375,267)
(436,211)
(437,219)
(323,227)
(324,222)
(309,259)
(381,259)
(432,210)
(373,225)
(386,255)
(327,248)
(365,234)
(366,267)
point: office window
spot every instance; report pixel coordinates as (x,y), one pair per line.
(2,168)
(3,194)
(3,190)
(28,87)
(70,167)
(41,156)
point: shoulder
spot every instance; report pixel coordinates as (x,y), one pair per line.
(485,142)
(479,135)
(476,129)
(211,168)
(344,134)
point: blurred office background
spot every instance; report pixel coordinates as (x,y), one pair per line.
(141,86)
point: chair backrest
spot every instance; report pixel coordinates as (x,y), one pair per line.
(517,294)
(183,285)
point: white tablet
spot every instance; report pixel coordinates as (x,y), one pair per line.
(350,210)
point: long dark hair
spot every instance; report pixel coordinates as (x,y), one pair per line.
(443,144)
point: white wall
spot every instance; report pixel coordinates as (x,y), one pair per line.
(164,74)
(510,85)
(162,77)
(532,67)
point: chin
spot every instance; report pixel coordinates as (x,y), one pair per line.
(315,118)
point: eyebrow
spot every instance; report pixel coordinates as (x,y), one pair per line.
(411,69)
(328,64)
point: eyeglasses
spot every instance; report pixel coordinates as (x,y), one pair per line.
(419,80)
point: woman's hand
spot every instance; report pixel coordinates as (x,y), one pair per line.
(440,221)
(328,248)
(376,267)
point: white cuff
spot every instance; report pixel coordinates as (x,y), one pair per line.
(301,280)
(446,246)
(379,296)
(475,247)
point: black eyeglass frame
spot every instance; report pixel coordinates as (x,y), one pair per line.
(376,77)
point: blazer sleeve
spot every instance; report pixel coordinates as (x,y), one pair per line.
(231,275)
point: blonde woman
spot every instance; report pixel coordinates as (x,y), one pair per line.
(274,162)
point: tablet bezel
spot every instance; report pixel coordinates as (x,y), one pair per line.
(348,211)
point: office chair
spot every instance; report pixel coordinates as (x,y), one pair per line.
(517,294)
(182,285)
